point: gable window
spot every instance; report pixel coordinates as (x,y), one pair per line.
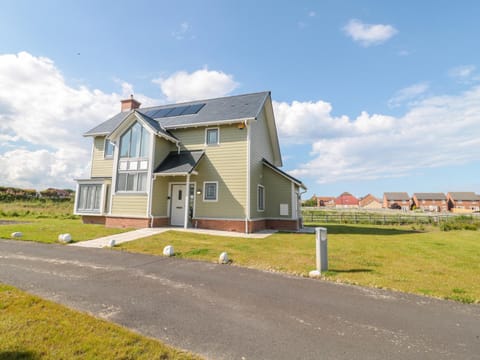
(133,162)
(210,191)
(260,198)
(108,149)
(211,136)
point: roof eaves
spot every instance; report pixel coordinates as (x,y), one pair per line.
(206,123)
(283,173)
(163,133)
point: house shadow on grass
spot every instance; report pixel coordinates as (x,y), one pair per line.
(18,355)
(363,230)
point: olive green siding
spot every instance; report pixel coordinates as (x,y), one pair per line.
(129,205)
(225,163)
(278,190)
(260,148)
(101,167)
(159,196)
(162,148)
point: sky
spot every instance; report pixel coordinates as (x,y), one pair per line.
(369,96)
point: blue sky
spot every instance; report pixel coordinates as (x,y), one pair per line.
(370,96)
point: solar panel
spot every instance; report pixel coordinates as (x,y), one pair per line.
(175,111)
(193,109)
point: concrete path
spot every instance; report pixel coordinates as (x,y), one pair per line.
(141,233)
(228,312)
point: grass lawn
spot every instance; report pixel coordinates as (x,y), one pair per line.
(432,262)
(32,328)
(47,230)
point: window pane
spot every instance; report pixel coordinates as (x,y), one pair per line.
(131,182)
(212,136)
(260,198)
(108,149)
(125,144)
(210,191)
(145,143)
(122,182)
(82,197)
(135,142)
(98,192)
(142,181)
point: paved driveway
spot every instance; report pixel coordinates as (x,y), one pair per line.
(227,312)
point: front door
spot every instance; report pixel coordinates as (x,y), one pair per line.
(177,205)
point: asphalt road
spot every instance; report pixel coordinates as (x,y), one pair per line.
(228,312)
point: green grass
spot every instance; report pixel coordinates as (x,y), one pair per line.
(47,230)
(432,262)
(37,209)
(32,328)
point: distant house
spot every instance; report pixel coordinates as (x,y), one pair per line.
(346,200)
(463,202)
(430,201)
(325,201)
(370,202)
(396,200)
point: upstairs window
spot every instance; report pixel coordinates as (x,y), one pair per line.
(211,136)
(135,142)
(108,149)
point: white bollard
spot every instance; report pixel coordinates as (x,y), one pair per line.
(17,234)
(168,250)
(65,238)
(223,258)
(111,243)
(321,243)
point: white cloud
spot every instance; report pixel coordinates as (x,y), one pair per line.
(409,93)
(369,34)
(42,119)
(200,84)
(463,73)
(312,14)
(182,32)
(437,131)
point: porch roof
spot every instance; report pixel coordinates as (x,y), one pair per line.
(179,163)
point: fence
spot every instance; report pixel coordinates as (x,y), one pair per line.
(382,219)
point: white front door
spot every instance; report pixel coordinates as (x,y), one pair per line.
(177,205)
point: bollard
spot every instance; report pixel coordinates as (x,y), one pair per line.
(321,242)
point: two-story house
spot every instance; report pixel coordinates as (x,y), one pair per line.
(208,164)
(463,202)
(430,201)
(396,200)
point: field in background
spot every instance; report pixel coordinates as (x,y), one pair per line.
(431,262)
(32,328)
(37,209)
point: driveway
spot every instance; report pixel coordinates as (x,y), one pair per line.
(228,312)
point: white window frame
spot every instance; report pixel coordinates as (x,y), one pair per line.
(105,155)
(262,209)
(206,136)
(100,194)
(205,193)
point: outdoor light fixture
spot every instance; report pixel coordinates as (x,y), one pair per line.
(241,126)
(199,192)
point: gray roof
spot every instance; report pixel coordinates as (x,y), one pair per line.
(155,125)
(430,196)
(464,196)
(183,162)
(290,177)
(238,107)
(392,196)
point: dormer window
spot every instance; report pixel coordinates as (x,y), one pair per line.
(212,136)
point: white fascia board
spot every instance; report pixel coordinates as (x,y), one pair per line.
(209,123)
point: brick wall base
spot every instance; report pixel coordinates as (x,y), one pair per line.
(98,220)
(161,222)
(125,222)
(290,225)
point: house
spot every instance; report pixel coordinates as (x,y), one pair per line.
(463,202)
(396,200)
(326,201)
(346,200)
(211,164)
(430,201)
(370,202)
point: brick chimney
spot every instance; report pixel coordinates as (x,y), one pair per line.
(130,104)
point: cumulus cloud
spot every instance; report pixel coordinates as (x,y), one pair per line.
(200,84)
(436,131)
(369,34)
(409,93)
(41,122)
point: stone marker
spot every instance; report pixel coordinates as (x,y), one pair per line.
(223,258)
(65,238)
(168,250)
(17,234)
(111,243)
